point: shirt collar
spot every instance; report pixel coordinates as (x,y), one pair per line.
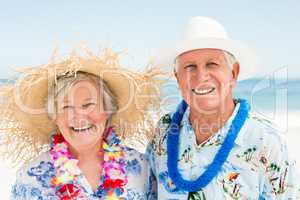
(223,131)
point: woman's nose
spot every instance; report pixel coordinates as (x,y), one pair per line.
(81,111)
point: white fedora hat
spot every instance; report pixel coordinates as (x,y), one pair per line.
(207,33)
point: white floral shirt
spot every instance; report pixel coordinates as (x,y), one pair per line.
(33,180)
(258,167)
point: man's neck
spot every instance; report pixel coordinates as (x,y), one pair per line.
(207,124)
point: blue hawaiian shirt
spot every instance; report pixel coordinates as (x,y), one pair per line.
(33,180)
(258,167)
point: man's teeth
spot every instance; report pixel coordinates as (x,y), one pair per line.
(203,91)
(82,128)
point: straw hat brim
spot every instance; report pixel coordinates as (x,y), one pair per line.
(24,104)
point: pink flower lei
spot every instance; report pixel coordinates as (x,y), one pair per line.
(113,177)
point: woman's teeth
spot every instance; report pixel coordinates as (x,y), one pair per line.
(203,91)
(82,129)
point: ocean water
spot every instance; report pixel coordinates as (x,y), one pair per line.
(263,94)
(274,99)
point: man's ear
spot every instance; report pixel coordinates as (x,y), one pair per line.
(175,69)
(176,75)
(235,73)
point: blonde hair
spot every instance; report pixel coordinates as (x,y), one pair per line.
(64,83)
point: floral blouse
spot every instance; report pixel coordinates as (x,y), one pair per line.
(258,167)
(33,181)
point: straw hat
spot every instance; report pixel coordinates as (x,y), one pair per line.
(202,33)
(25,126)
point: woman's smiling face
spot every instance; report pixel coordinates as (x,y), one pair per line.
(80,115)
(205,79)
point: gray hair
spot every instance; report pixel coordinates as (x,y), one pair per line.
(64,83)
(230,59)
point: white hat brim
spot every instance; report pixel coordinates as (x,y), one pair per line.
(243,54)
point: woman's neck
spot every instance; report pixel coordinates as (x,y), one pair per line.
(205,125)
(92,153)
(90,163)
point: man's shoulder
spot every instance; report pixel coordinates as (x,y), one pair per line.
(158,144)
(261,128)
(165,120)
(163,126)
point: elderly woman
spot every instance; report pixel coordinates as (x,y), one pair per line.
(210,147)
(79,108)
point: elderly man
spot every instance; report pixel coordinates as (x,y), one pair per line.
(211,147)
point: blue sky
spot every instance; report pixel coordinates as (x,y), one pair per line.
(31,30)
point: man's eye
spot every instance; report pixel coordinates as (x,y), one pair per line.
(211,64)
(191,66)
(88,105)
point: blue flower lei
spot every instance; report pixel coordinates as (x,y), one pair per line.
(218,161)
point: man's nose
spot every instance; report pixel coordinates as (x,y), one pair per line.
(202,73)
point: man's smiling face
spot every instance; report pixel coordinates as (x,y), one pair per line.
(205,78)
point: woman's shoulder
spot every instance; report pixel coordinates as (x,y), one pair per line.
(138,172)
(40,160)
(33,179)
(37,168)
(133,154)
(136,162)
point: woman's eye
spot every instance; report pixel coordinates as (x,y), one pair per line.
(88,105)
(66,107)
